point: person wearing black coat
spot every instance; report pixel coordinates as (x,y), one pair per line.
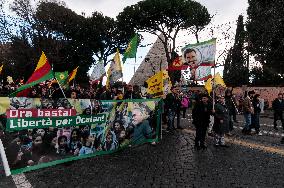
(172,104)
(57,93)
(221,121)
(278,106)
(231,107)
(201,119)
(256,114)
(132,92)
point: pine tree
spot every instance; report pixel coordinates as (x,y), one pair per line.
(236,72)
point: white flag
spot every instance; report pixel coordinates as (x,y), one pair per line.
(99,71)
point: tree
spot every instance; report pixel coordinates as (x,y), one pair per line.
(28,37)
(69,30)
(265,27)
(68,39)
(98,34)
(165,19)
(107,37)
(236,70)
(265,76)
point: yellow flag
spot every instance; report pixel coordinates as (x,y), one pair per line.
(117,61)
(219,80)
(115,70)
(208,85)
(72,74)
(1,68)
(10,79)
(155,84)
(4,104)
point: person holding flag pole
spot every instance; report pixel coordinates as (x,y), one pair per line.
(131,51)
(57,85)
(72,76)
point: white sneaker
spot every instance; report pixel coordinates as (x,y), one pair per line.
(259,134)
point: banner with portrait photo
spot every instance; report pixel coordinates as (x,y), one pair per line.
(43,132)
(199,55)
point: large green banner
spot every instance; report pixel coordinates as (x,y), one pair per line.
(43,132)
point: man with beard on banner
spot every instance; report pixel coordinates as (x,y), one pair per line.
(199,58)
(142,129)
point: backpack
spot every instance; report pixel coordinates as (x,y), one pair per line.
(184,102)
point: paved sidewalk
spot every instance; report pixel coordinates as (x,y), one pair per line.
(173,163)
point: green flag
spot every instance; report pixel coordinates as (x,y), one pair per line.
(61,77)
(131,49)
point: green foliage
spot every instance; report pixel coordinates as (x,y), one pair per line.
(265,27)
(68,39)
(164,18)
(236,71)
(266,77)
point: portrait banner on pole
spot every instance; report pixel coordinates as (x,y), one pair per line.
(199,58)
(43,132)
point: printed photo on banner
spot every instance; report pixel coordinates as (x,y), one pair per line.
(199,55)
(46,130)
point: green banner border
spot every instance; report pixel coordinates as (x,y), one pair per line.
(68,159)
(199,44)
(61,161)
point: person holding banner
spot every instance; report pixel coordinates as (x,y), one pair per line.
(132,92)
(201,119)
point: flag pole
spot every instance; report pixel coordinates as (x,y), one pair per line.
(57,81)
(213,88)
(4,160)
(60,88)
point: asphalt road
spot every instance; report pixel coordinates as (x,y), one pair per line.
(249,161)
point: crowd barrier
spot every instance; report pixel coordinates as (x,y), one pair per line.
(38,133)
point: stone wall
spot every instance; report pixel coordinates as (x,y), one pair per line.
(266,93)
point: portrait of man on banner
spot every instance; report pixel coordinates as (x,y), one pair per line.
(199,55)
(142,129)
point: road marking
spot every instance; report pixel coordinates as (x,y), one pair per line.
(265,132)
(21,181)
(248,144)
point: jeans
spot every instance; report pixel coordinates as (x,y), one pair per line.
(278,116)
(171,119)
(247,117)
(231,124)
(183,109)
(255,121)
(200,135)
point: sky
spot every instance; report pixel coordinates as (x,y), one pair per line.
(225,14)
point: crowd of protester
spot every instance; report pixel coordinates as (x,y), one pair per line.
(215,120)
(35,146)
(218,120)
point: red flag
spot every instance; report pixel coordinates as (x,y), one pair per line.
(42,72)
